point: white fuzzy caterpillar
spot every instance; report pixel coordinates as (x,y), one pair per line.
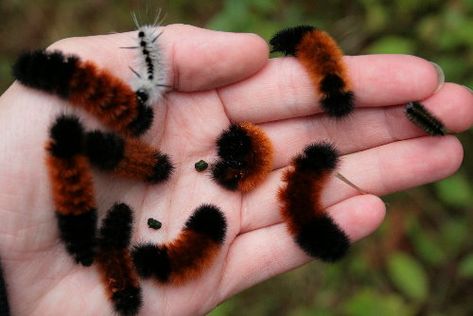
(150,71)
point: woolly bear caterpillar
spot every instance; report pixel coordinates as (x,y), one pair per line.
(127,157)
(307,221)
(187,256)
(246,157)
(72,189)
(150,71)
(322,59)
(115,262)
(87,86)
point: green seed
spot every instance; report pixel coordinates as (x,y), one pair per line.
(201,165)
(154,224)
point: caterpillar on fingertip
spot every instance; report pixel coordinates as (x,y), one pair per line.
(150,72)
(321,57)
(424,119)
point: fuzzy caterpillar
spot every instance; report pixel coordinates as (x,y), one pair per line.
(86,86)
(424,119)
(115,262)
(322,59)
(72,189)
(150,71)
(127,157)
(307,221)
(187,256)
(246,157)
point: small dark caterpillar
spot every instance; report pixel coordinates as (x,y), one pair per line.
(187,256)
(246,157)
(322,58)
(127,157)
(424,119)
(84,85)
(312,228)
(115,262)
(72,189)
(150,82)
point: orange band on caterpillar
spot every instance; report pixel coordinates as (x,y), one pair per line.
(307,221)
(95,90)
(127,157)
(246,157)
(72,188)
(322,58)
(189,254)
(115,262)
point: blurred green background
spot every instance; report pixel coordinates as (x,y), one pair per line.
(421,261)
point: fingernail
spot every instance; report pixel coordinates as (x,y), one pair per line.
(440,76)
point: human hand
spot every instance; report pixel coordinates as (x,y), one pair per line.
(218,78)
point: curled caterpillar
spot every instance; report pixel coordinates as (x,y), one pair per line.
(127,157)
(187,256)
(322,59)
(424,119)
(307,221)
(84,85)
(115,262)
(150,73)
(246,157)
(72,189)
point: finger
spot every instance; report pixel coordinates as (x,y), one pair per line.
(195,58)
(283,89)
(381,170)
(370,127)
(261,254)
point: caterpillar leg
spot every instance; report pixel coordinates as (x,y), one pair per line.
(72,189)
(307,221)
(322,58)
(187,256)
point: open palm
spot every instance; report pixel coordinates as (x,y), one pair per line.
(217,78)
